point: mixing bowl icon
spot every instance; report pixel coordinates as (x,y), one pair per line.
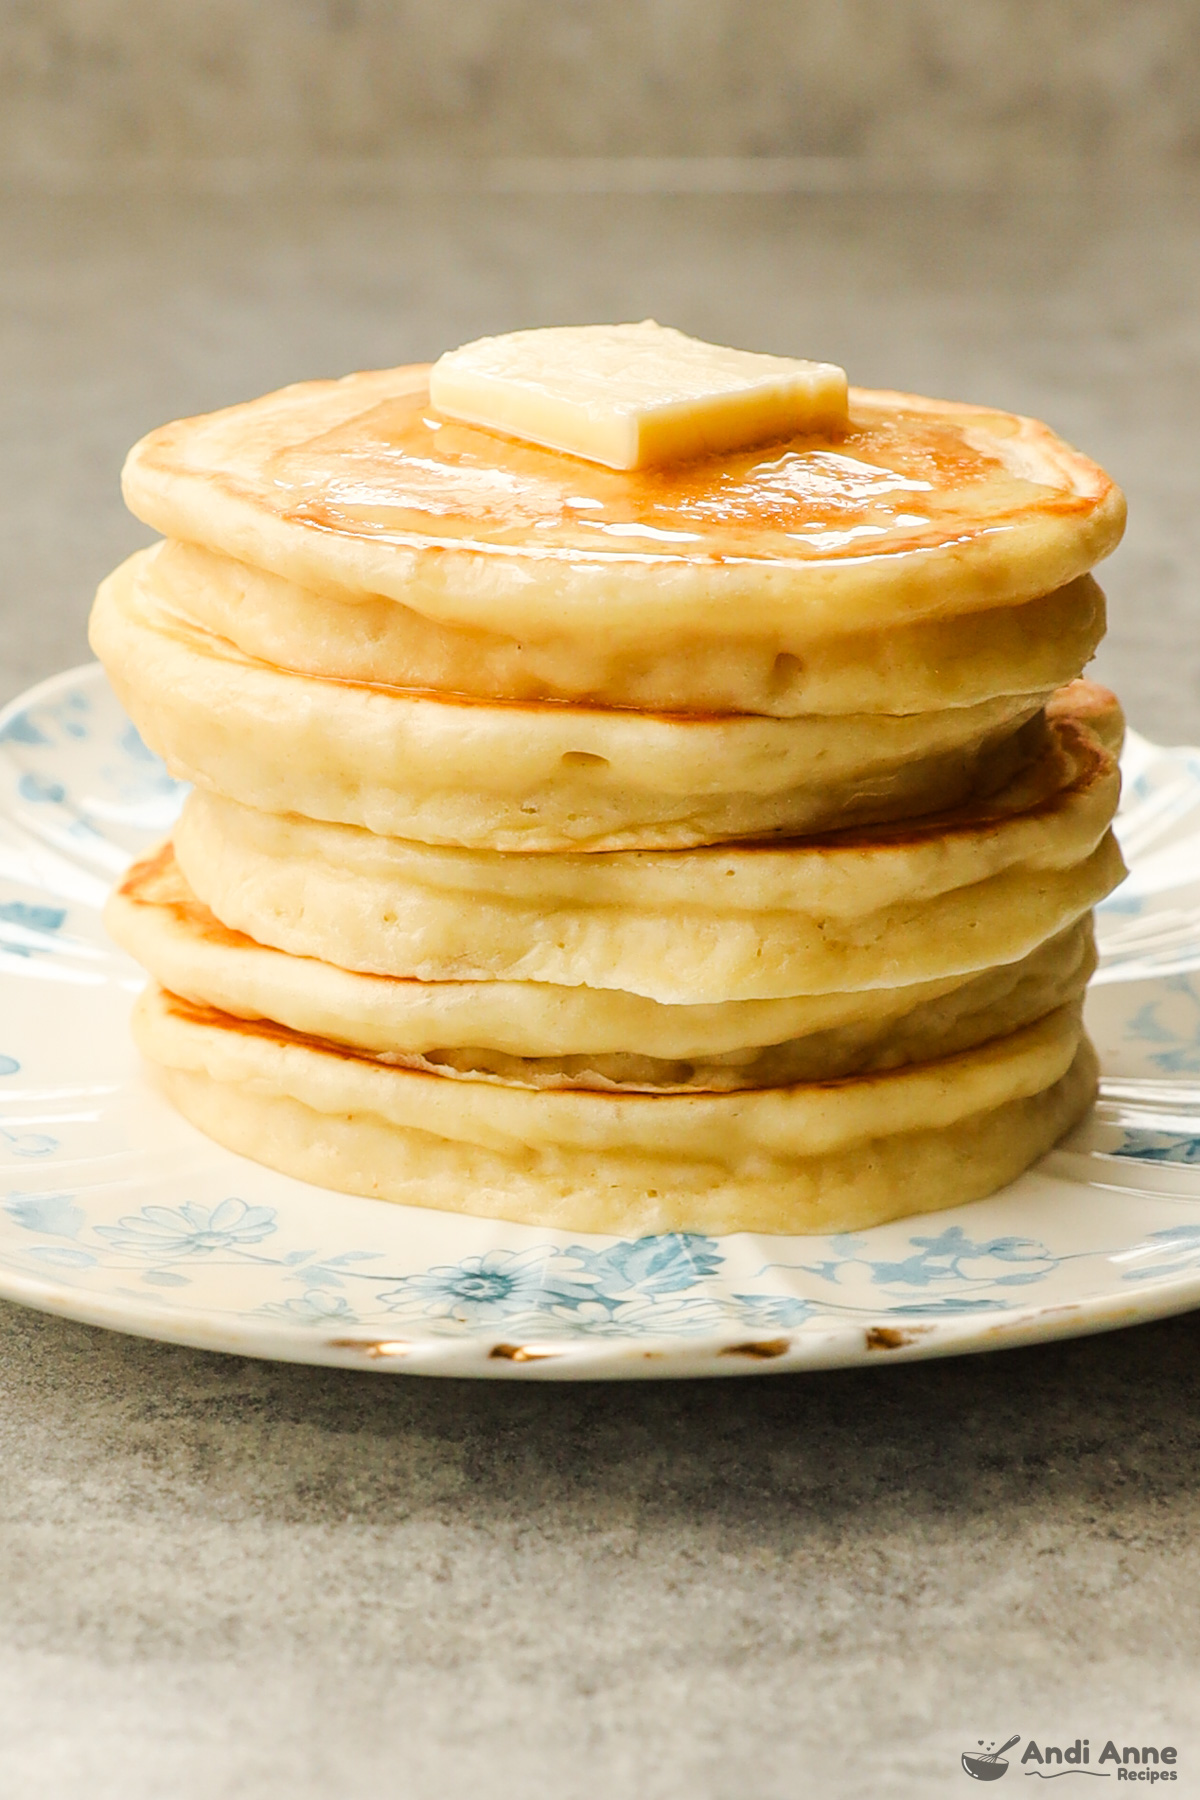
(988,1765)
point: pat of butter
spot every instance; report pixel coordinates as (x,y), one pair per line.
(631,396)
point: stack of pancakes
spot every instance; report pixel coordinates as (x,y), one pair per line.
(706,848)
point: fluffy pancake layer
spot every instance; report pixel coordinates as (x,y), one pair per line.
(528,775)
(1026,649)
(923,509)
(541,1036)
(819,1157)
(881,907)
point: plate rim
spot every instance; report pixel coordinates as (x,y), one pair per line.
(865,1342)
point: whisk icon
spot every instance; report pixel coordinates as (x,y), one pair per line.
(988,1765)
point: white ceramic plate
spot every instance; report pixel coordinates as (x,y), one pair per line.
(118,1213)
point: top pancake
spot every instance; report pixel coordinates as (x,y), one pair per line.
(923,509)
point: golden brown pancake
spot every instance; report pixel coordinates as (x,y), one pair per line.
(538,1035)
(529,775)
(883,906)
(830,1156)
(923,509)
(927,666)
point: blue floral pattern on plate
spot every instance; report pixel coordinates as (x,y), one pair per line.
(113,1210)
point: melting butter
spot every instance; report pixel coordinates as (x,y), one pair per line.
(634,396)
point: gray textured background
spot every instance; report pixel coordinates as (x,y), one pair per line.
(227,1579)
(935,80)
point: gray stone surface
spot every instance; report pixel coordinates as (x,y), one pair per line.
(222,1578)
(226,1579)
(113,80)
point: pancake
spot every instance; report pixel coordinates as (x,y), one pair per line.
(923,509)
(880,907)
(898,668)
(823,1157)
(528,776)
(542,1036)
